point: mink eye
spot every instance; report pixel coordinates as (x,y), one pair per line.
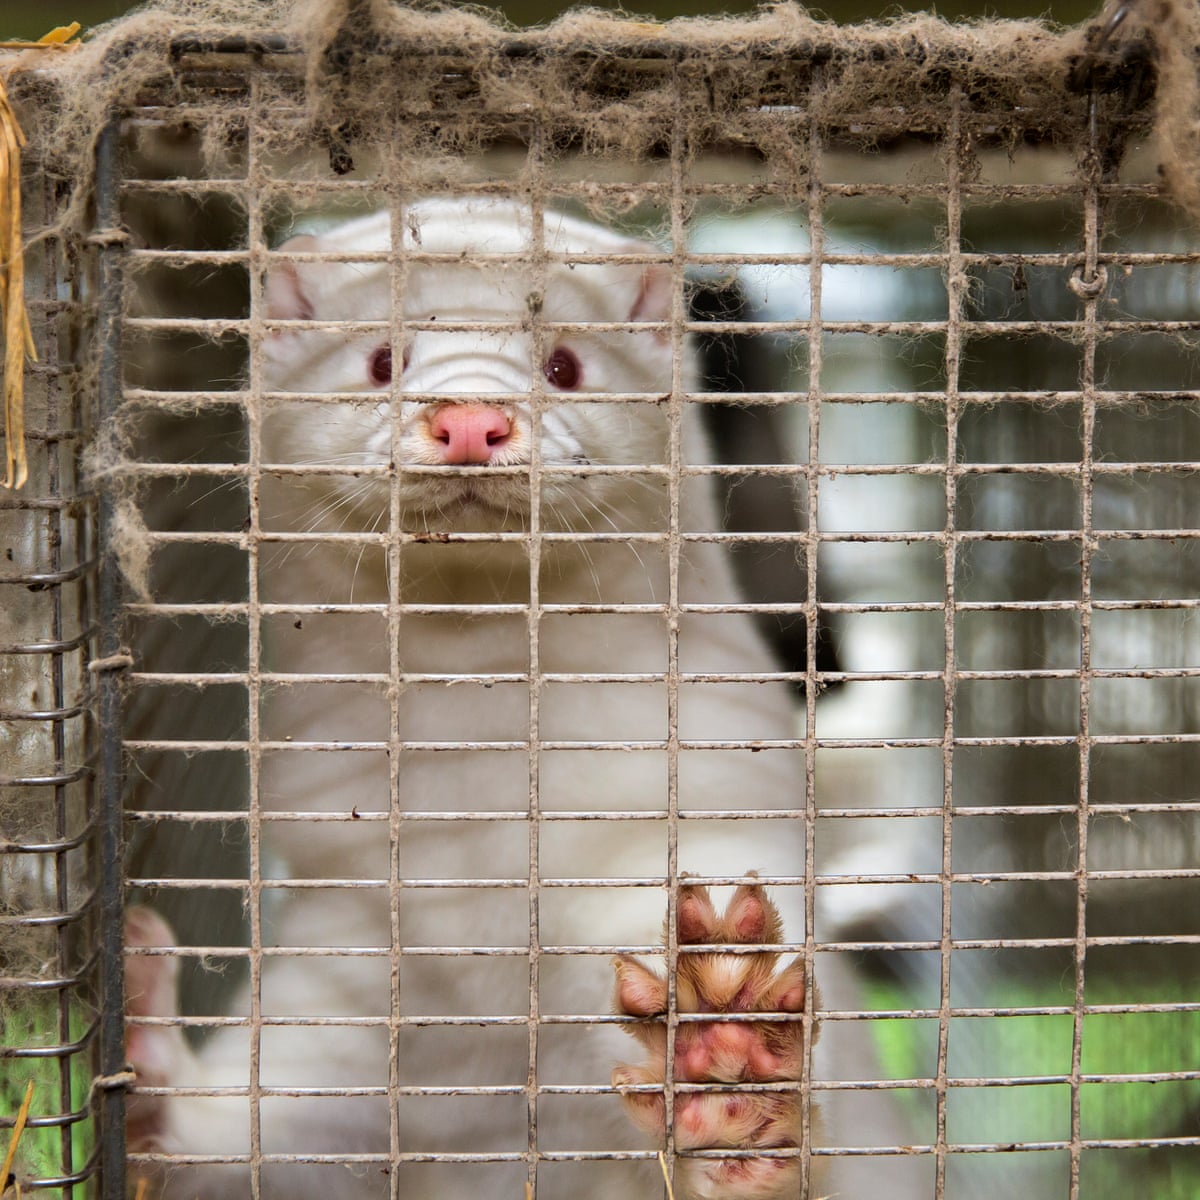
(562,369)
(379,366)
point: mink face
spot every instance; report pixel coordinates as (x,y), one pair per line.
(447,383)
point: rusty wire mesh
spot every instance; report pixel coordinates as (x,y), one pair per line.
(949,380)
(49,959)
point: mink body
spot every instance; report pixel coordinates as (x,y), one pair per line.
(455,404)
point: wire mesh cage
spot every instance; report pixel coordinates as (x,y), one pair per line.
(49,964)
(585,506)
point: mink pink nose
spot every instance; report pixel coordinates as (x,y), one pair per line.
(468,433)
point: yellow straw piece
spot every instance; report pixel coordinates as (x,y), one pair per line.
(56,39)
(14,319)
(18,1128)
(18,338)
(662,1162)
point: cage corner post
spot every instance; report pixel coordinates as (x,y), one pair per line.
(112,1064)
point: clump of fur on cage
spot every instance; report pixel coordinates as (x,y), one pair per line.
(597,84)
(581,73)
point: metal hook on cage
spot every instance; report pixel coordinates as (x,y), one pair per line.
(1109,65)
(1085,286)
(1115,20)
(1116,65)
(1098,43)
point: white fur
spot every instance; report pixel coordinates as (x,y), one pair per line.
(466,365)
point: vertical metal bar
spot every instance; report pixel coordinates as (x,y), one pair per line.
(67,998)
(956,284)
(1087,548)
(255,178)
(398,275)
(111,839)
(675,417)
(816,347)
(537,238)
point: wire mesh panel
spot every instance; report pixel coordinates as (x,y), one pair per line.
(49,965)
(749,546)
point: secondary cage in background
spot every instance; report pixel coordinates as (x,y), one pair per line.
(401,778)
(50,970)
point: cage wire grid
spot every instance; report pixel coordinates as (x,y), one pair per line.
(49,999)
(205,860)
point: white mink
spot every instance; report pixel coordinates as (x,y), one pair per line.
(473,436)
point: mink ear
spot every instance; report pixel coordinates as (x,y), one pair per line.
(653,302)
(285,292)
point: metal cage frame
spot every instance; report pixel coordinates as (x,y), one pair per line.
(1110,121)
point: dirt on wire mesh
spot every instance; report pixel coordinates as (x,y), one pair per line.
(355,78)
(586,72)
(359,74)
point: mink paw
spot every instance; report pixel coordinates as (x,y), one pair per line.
(721,1052)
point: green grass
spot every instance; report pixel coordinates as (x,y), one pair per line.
(41,1152)
(1028,1046)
